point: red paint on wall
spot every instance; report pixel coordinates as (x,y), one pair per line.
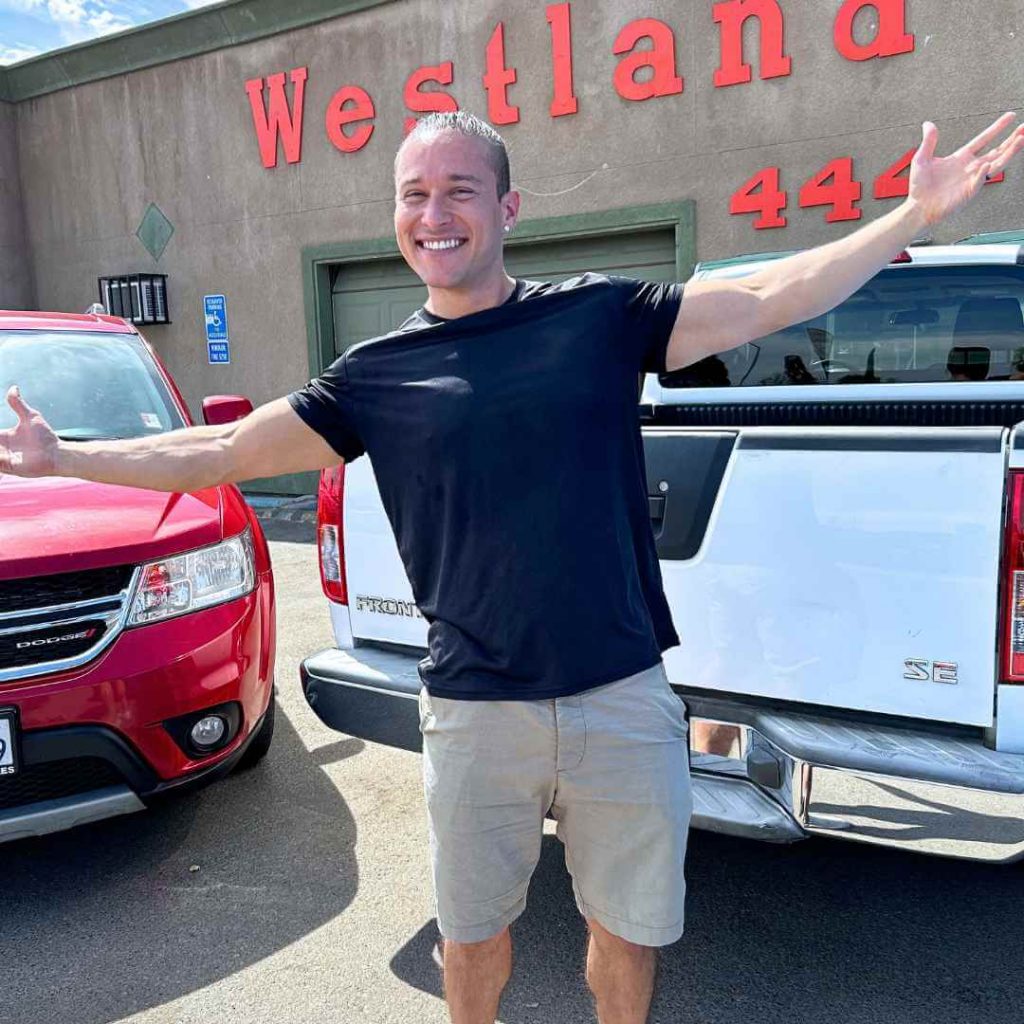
(429,102)
(762,195)
(834,186)
(730,16)
(564,101)
(661,58)
(279,122)
(349,105)
(891,37)
(497,79)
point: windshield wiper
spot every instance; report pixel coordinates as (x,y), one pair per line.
(88,437)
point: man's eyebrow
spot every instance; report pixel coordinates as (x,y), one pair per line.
(451,177)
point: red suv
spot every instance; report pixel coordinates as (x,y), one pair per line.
(136,628)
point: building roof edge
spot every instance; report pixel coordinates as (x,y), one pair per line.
(189,34)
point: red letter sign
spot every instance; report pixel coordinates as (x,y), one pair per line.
(890,39)
(769,202)
(840,195)
(731,15)
(497,79)
(280,121)
(564,101)
(338,116)
(428,102)
(661,58)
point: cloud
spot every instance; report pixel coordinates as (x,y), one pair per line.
(193,4)
(105,22)
(12,54)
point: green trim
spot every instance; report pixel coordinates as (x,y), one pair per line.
(182,35)
(993,238)
(750,257)
(317,260)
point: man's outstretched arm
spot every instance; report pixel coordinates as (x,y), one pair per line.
(719,315)
(271,440)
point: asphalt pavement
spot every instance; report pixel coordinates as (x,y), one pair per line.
(298,893)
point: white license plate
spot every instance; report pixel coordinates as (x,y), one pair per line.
(8,744)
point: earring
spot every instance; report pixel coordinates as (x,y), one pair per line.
(508,228)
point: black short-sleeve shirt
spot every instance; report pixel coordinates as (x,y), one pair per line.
(506,446)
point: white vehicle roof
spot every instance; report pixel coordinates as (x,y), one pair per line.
(920,256)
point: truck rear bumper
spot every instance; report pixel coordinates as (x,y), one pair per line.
(764,774)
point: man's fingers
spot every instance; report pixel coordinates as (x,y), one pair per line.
(18,404)
(1006,150)
(929,140)
(994,130)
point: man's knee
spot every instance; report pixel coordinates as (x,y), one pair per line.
(489,949)
(610,944)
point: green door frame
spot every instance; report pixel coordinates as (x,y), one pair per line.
(317,260)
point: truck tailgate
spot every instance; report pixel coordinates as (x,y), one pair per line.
(810,564)
(801,564)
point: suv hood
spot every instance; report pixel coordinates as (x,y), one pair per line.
(53,524)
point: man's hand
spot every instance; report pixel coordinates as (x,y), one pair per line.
(30,447)
(941,184)
(717,315)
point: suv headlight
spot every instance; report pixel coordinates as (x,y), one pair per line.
(197,579)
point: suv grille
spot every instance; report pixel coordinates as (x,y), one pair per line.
(59,622)
(55,779)
(62,588)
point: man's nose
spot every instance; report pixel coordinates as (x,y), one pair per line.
(435,212)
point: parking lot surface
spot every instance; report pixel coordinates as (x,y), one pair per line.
(298,893)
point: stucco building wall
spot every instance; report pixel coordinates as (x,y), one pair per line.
(15,262)
(180,135)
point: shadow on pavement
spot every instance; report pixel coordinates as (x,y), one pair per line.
(807,933)
(108,920)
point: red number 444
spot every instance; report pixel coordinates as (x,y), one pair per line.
(834,186)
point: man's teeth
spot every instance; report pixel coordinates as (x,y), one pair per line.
(452,243)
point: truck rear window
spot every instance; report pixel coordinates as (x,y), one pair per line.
(86,385)
(907,324)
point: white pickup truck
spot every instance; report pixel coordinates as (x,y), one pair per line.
(839,513)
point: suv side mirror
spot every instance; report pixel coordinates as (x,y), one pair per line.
(218,409)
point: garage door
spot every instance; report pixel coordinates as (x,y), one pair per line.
(373,298)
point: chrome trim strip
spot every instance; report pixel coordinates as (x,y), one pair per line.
(61,623)
(47,816)
(56,609)
(114,630)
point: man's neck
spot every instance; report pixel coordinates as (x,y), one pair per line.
(450,303)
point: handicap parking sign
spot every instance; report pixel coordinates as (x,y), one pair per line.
(215,313)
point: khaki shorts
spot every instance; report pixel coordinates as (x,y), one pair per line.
(610,765)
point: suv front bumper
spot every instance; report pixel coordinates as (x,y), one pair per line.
(761,773)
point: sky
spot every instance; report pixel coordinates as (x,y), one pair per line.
(31,27)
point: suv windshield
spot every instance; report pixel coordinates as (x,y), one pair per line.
(908,324)
(89,385)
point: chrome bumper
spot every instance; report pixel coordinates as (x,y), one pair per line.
(770,775)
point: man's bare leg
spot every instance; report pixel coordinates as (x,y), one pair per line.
(621,976)
(475,973)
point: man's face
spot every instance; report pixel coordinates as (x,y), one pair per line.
(449,219)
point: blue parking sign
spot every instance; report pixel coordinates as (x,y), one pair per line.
(215,309)
(218,351)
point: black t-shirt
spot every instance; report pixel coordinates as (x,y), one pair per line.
(506,446)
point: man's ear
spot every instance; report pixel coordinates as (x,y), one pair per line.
(510,207)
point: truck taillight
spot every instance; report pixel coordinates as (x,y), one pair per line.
(329,533)
(1013,582)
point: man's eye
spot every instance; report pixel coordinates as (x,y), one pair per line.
(463,192)
(413,195)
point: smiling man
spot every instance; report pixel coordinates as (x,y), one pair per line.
(501,419)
